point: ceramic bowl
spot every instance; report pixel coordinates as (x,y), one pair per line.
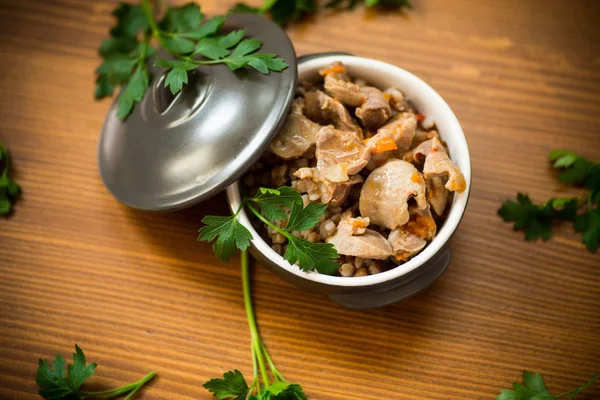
(413,276)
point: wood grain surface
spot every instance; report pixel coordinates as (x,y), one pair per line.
(137,292)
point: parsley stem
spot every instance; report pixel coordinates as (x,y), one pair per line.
(274,370)
(266,221)
(132,387)
(256,343)
(566,393)
(204,62)
(150,18)
(579,389)
(152,22)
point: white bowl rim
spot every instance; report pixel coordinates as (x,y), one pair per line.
(454,216)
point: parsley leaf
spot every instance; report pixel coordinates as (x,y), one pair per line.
(291,392)
(245,8)
(309,256)
(182,19)
(52,382)
(302,218)
(178,45)
(177,76)
(134,91)
(388,3)
(575,168)
(9,190)
(278,387)
(241,54)
(54,385)
(285,11)
(131,20)
(232,386)
(534,388)
(589,224)
(230,234)
(182,32)
(208,28)
(275,205)
(272,202)
(79,372)
(281,12)
(534,220)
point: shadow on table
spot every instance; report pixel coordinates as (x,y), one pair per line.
(174,235)
(338,337)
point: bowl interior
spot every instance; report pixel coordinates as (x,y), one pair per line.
(429,103)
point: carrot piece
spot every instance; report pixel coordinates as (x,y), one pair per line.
(415,178)
(384,144)
(419,117)
(340,69)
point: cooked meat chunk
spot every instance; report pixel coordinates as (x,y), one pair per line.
(395,98)
(335,194)
(437,163)
(345,91)
(297,136)
(323,109)
(353,238)
(384,195)
(421,223)
(339,154)
(339,85)
(377,160)
(401,129)
(405,244)
(419,153)
(332,193)
(398,133)
(437,194)
(375,111)
(421,136)
(410,238)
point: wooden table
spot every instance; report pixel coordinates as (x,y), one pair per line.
(137,292)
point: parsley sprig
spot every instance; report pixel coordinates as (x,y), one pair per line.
(233,385)
(185,34)
(537,220)
(285,11)
(9,189)
(534,388)
(282,210)
(55,385)
(275,204)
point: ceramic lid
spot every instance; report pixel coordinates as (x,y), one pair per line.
(176,151)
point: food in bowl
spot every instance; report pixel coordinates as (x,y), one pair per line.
(379,165)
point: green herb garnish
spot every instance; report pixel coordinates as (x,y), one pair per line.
(185,34)
(55,385)
(233,385)
(9,190)
(285,11)
(275,205)
(283,210)
(536,220)
(534,388)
